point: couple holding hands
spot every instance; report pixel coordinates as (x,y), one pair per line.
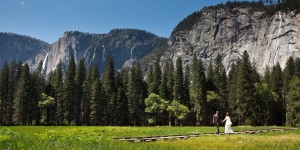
(217,121)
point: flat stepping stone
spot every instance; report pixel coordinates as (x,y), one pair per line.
(149,139)
(181,137)
(172,137)
(165,138)
(194,135)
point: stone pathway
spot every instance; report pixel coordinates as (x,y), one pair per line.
(174,137)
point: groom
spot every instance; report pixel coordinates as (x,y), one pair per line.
(217,121)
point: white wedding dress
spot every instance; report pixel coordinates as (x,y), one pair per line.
(228,125)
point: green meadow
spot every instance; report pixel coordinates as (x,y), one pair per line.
(86,137)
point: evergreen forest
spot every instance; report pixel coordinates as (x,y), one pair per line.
(167,94)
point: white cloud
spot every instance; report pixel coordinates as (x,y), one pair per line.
(22,3)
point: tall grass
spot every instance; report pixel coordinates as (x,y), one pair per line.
(26,137)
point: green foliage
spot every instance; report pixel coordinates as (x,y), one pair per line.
(163,90)
(178,111)
(97,104)
(266,101)
(288,5)
(245,92)
(155,104)
(136,92)
(23,99)
(46,104)
(58,87)
(169,73)
(198,91)
(154,79)
(232,87)
(47,101)
(79,79)
(213,102)
(118,98)
(155,107)
(220,82)
(277,86)
(293,103)
(4,94)
(110,90)
(187,23)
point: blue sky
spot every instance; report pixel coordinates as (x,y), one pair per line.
(49,19)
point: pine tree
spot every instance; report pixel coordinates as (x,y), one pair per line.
(163,90)
(154,78)
(270,98)
(150,80)
(15,73)
(94,75)
(289,71)
(178,82)
(58,97)
(96,107)
(85,103)
(39,86)
(1,102)
(169,72)
(136,94)
(110,91)
(186,91)
(22,101)
(277,87)
(297,66)
(210,77)
(288,74)
(293,103)
(267,76)
(220,81)
(232,87)
(51,111)
(79,79)
(245,93)
(198,91)
(70,93)
(86,98)
(186,86)
(122,101)
(4,95)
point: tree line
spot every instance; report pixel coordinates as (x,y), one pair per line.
(168,95)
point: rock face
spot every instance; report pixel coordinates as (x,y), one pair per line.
(18,47)
(122,45)
(268,38)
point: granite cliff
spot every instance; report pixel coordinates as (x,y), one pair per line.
(268,38)
(124,46)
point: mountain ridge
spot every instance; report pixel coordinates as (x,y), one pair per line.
(123,45)
(19,47)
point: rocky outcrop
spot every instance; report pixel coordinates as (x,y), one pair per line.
(19,47)
(268,38)
(123,45)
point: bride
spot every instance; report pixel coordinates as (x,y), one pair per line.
(228,124)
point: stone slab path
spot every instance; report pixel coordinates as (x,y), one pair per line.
(174,137)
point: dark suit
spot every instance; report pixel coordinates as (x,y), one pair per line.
(217,121)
